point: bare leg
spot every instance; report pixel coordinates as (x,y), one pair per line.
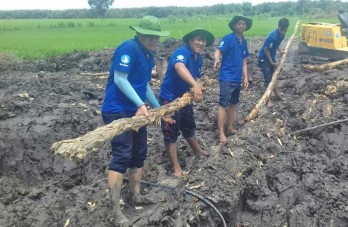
(276,92)
(269,102)
(173,157)
(230,119)
(220,122)
(192,141)
(135,175)
(115,180)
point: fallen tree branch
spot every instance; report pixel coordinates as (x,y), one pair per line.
(324,67)
(319,126)
(80,147)
(252,115)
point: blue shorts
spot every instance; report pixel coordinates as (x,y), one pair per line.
(184,123)
(267,71)
(229,93)
(128,149)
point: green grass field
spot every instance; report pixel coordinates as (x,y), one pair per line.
(36,39)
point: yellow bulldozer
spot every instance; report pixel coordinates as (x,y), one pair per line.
(325,39)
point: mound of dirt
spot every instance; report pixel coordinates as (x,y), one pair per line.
(261,177)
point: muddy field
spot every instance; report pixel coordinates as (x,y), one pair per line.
(261,177)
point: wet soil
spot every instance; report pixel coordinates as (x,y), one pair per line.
(261,177)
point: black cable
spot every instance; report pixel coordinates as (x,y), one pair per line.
(187,192)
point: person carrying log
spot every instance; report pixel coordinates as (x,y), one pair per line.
(126,91)
(184,67)
(230,57)
(267,61)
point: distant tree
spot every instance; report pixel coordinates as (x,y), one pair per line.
(247,9)
(302,6)
(100,6)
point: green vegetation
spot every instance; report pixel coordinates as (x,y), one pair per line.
(299,8)
(42,38)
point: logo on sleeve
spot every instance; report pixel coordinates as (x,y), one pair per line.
(270,45)
(180,57)
(221,44)
(125,59)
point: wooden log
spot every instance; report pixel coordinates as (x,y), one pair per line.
(262,102)
(82,146)
(332,65)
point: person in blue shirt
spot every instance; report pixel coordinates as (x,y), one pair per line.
(184,67)
(230,57)
(267,60)
(127,90)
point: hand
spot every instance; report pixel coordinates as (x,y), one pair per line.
(245,83)
(275,65)
(217,64)
(168,119)
(197,93)
(282,52)
(142,110)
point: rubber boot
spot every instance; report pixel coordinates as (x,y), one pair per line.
(116,216)
(134,185)
(138,199)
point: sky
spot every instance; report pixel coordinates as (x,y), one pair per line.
(83,4)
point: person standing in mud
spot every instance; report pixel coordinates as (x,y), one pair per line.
(267,54)
(184,67)
(230,57)
(126,91)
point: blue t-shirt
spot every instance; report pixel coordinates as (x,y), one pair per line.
(173,86)
(272,43)
(233,54)
(131,58)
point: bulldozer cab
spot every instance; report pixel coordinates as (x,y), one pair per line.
(344,22)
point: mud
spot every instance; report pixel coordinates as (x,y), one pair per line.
(261,177)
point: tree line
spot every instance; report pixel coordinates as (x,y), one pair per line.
(304,8)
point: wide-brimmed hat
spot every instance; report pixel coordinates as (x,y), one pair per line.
(150,25)
(199,32)
(235,19)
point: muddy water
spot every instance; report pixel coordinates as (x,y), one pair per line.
(261,177)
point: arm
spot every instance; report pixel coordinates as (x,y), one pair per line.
(245,74)
(121,81)
(280,51)
(150,97)
(269,58)
(217,59)
(185,74)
